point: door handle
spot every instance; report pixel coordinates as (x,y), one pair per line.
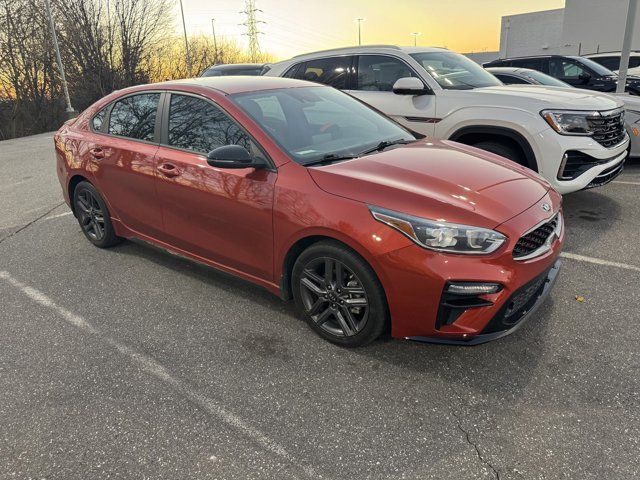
(97,153)
(169,170)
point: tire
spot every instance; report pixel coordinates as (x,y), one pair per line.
(348,306)
(503,150)
(93,216)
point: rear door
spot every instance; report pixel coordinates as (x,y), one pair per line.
(374,77)
(123,160)
(222,215)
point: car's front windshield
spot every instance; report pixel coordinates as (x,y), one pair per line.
(453,71)
(595,66)
(313,124)
(544,79)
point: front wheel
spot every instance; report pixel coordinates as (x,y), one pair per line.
(93,216)
(340,295)
(503,150)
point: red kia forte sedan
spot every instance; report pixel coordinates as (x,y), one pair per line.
(313,195)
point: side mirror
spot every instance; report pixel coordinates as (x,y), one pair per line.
(410,86)
(232,156)
(585,77)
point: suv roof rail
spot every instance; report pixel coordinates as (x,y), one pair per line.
(395,47)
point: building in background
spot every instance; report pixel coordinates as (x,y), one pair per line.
(582,27)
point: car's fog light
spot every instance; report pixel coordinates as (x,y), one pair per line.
(473,288)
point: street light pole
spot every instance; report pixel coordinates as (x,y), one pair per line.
(626,46)
(215,43)
(415,38)
(70,111)
(359,20)
(186,43)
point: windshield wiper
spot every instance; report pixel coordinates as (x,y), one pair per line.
(386,144)
(330,158)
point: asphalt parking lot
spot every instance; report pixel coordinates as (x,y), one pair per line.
(133,363)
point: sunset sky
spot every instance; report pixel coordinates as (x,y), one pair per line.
(294,27)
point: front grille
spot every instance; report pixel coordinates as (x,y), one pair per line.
(575,163)
(518,305)
(535,239)
(608,127)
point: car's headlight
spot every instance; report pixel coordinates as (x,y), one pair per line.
(569,122)
(441,236)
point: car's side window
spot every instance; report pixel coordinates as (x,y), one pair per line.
(328,71)
(532,63)
(135,116)
(98,119)
(380,72)
(510,79)
(566,68)
(200,126)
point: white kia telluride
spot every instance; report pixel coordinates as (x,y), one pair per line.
(574,138)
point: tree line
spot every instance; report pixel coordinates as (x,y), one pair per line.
(105,45)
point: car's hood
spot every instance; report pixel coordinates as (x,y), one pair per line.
(550,97)
(436,180)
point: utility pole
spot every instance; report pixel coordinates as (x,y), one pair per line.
(359,20)
(626,46)
(252,28)
(186,42)
(215,43)
(70,111)
(415,38)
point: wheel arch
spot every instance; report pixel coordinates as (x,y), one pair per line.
(474,133)
(71,187)
(305,241)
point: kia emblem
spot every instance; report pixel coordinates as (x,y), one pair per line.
(546,207)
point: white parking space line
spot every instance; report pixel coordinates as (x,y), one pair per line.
(624,182)
(58,216)
(158,371)
(599,261)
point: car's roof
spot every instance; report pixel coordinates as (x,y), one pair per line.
(367,49)
(611,54)
(235,66)
(241,83)
(513,70)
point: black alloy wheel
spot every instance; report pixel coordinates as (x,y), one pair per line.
(340,295)
(93,216)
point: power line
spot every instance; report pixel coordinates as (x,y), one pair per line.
(252,28)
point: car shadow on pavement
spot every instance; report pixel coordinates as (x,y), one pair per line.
(503,367)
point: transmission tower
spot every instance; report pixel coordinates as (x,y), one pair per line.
(252,22)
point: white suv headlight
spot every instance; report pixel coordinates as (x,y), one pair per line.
(441,236)
(570,122)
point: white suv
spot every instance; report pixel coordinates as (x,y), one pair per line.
(574,138)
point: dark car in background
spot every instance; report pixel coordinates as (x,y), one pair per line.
(577,71)
(225,70)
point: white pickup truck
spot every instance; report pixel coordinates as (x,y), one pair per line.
(575,140)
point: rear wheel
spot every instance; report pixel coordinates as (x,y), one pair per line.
(340,295)
(503,150)
(93,216)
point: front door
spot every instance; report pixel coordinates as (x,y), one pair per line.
(222,215)
(374,79)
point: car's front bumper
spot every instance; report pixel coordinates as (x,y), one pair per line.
(537,298)
(553,148)
(415,281)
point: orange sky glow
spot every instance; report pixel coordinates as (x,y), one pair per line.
(294,27)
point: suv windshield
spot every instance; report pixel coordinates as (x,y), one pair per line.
(596,67)
(313,124)
(454,71)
